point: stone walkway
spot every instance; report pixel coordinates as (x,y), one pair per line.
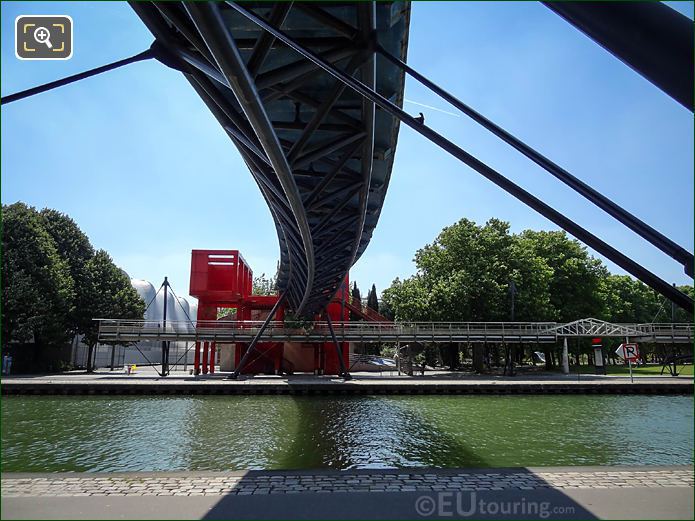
(263,482)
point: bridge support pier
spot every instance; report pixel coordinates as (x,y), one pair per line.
(196,358)
(205,357)
(343,370)
(252,345)
(211,360)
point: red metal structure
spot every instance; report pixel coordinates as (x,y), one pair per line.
(222,279)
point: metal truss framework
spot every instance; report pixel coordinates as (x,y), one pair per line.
(592,327)
(276,77)
(435,332)
(319,152)
(622,260)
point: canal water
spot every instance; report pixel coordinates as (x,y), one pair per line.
(50,434)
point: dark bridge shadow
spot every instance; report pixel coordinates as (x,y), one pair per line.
(542,502)
(357,443)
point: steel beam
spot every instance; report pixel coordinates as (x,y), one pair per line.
(144,55)
(328,148)
(638,226)
(328,20)
(330,176)
(265,43)
(343,370)
(255,339)
(321,112)
(353,191)
(650,37)
(295,69)
(541,207)
(208,20)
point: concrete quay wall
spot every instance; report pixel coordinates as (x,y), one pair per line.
(114,385)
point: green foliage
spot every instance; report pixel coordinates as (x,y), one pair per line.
(71,242)
(372,300)
(629,300)
(680,314)
(356,299)
(465,275)
(107,293)
(356,295)
(37,289)
(264,285)
(53,284)
(293,321)
(574,289)
(74,248)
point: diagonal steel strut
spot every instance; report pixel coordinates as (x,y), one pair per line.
(208,20)
(529,199)
(253,343)
(343,370)
(638,226)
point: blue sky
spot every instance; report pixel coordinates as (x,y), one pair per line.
(138,161)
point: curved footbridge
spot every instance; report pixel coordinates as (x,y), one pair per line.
(320,153)
(311,94)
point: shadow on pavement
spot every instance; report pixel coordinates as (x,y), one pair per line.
(543,502)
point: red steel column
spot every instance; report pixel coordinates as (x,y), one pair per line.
(205,357)
(237,353)
(213,347)
(196,358)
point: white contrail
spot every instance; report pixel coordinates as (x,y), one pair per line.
(433,108)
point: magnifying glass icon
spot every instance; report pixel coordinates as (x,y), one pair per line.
(43,35)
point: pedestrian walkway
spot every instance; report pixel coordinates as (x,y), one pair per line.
(211,484)
(573,492)
(146,381)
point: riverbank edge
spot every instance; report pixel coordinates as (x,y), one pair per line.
(438,471)
(566,492)
(28,386)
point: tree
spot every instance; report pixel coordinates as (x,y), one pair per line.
(356,299)
(264,285)
(37,289)
(356,296)
(462,276)
(575,287)
(74,248)
(466,273)
(681,315)
(532,279)
(107,293)
(629,300)
(408,299)
(372,300)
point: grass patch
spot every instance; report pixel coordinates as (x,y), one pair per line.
(623,370)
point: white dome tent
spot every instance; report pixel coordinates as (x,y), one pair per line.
(179,309)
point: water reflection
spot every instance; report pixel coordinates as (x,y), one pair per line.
(247,432)
(275,432)
(368,432)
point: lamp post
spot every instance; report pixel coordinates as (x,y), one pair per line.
(165,343)
(512,349)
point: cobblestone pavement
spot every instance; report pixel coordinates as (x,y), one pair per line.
(217,484)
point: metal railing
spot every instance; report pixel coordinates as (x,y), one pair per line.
(114,330)
(111,330)
(665,332)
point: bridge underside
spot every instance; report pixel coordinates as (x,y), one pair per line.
(321,154)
